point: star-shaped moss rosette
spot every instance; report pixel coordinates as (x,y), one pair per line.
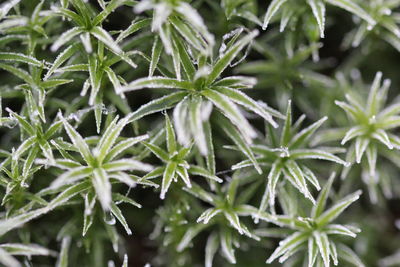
(284,155)
(316,234)
(223,218)
(100,163)
(175,160)
(371,134)
(386,27)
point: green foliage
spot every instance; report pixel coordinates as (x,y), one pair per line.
(103,103)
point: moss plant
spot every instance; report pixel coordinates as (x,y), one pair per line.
(199,133)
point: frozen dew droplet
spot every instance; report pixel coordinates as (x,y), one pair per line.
(372,120)
(387,11)
(24,184)
(227,37)
(109,218)
(355,74)
(284,152)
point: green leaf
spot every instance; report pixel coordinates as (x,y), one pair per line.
(273,178)
(373,98)
(211,249)
(6,258)
(197,170)
(196,22)
(287,128)
(123,145)
(200,193)
(296,177)
(63,256)
(245,101)
(312,252)
(134,27)
(20,73)
(78,141)
(196,115)
(306,133)
(171,142)
(288,244)
(227,246)
(271,11)
(71,176)
(65,37)
(348,255)
(159,152)
(66,195)
(186,31)
(318,9)
(14,222)
(52,83)
(352,7)
(113,78)
(111,7)
(316,154)
(319,207)
(372,154)
(125,263)
(23,123)
(352,111)
(232,112)
(338,208)
(104,37)
(226,59)
(25,250)
(323,245)
(157,105)
(186,60)
(239,141)
(27,144)
(156,82)
(184,175)
(110,137)
(382,137)
(237,82)
(338,229)
(168,176)
(102,186)
(210,159)
(120,217)
(7,6)
(86,42)
(118,198)
(310,176)
(69,14)
(155,55)
(234,221)
(18,57)
(361,145)
(191,233)
(208,214)
(95,78)
(352,133)
(125,165)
